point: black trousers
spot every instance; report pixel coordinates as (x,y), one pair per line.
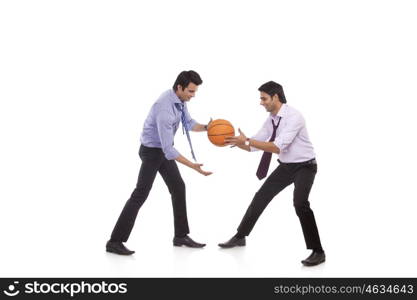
(153,161)
(302,175)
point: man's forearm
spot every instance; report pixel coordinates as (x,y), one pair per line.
(184,161)
(265,146)
(244,147)
(194,166)
(199,127)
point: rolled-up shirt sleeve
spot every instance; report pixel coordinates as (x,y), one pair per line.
(164,123)
(190,121)
(292,127)
(262,135)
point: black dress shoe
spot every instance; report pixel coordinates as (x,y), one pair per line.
(118,248)
(233,242)
(314,259)
(186,241)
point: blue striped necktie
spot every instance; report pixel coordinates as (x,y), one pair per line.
(185,127)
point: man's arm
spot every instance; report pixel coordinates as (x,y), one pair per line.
(295,123)
(261,135)
(199,127)
(265,146)
(243,147)
(194,166)
(240,140)
(193,125)
(166,135)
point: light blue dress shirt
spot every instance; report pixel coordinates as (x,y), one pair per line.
(162,124)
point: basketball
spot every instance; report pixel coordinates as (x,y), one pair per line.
(218,130)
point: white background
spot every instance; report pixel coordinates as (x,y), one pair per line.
(77,79)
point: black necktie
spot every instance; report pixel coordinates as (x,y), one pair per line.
(266,156)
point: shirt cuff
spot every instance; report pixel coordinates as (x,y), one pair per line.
(192,124)
(280,145)
(171,153)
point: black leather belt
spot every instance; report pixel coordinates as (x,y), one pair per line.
(308,162)
(311,162)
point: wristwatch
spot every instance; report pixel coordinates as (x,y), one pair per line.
(247,142)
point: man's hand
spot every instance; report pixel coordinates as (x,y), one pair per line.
(197,167)
(236,140)
(208,124)
(194,166)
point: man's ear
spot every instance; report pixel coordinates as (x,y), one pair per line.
(276,97)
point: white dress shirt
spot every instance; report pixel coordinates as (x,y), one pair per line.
(291,137)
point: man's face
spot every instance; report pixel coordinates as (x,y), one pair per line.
(187,93)
(270,103)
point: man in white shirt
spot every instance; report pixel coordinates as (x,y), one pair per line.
(284,133)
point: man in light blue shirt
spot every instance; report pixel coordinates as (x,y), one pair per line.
(162,123)
(158,154)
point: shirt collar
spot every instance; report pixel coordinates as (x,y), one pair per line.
(174,97)
(281,112)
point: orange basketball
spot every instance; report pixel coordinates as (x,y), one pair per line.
(218,130)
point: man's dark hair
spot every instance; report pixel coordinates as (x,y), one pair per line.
(185,77)
(272,88)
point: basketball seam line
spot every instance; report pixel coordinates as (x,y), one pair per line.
(225,124)
(221,134)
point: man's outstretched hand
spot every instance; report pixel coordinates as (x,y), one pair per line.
(197,167)
(236,140)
